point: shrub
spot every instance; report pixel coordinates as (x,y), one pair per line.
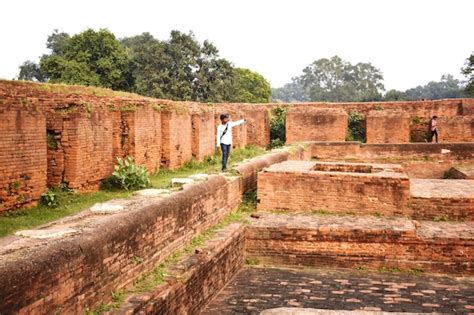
(50,199)
(128,175)
(277,127)
(356,127)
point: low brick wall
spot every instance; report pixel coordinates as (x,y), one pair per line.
(74,273)
(249,170)
(295,186)
(195,279)
(358,241)
(405,151)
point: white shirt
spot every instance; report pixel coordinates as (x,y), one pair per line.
(227,137)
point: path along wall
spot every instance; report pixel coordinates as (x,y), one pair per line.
(77,271)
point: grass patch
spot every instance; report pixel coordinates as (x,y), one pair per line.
(211,165)
(252,261)
(71,203)
(441,218)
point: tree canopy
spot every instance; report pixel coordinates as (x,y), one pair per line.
(334,80)
(180,68)
(447,87)
(468,71)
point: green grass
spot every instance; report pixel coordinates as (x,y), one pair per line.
(71,203)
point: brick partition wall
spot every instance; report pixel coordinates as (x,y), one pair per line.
(307,124)
(258,121)
(294,186)
(456,129)
(203,140)
(196,278)
(140,136)
(176,137)
(387,127)
(23,160)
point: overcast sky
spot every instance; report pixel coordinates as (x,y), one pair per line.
(412,42)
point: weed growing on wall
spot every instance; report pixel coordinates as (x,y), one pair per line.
(356,127)
(50,199)
(278,127)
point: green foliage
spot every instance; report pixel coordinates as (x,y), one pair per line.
(252,261)
(31,71)
(87,58)
(356,126)
(180,68)
(335,80)
(50,199)
(468,71)
(250,87)
(441,218)
(447,87)
(416,120)
(51,140)
(278,127)
(129,176)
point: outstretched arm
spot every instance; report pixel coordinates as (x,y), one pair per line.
(237,123)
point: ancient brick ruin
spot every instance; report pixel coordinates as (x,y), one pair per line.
(384,211)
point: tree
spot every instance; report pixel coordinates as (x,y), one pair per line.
(334,80)
(30,71)
(447,87)
(88,58)
(468,71)
(395,95)
(250,87)
(290,92)
(180,68)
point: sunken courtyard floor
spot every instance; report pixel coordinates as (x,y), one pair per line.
(255,289)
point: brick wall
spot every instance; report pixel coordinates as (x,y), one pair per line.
(176,137)
(387,127)
(305,124)
(456,129)
(197,277)
(258,124)
(140,136)
(23,157)
(71,274)
(406,151)
(203,139)
(292,186)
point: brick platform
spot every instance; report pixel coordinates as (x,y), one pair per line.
(296,186)
(349,241)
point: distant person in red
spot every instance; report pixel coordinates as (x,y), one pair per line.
(433,129)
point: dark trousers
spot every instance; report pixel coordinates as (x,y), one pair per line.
(225,155)
(435,134)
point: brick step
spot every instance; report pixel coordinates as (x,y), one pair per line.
(432,198)
(365,241)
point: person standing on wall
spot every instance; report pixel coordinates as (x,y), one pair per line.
(433,129)
(224,137)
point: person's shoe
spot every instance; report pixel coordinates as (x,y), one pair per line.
(224,170)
